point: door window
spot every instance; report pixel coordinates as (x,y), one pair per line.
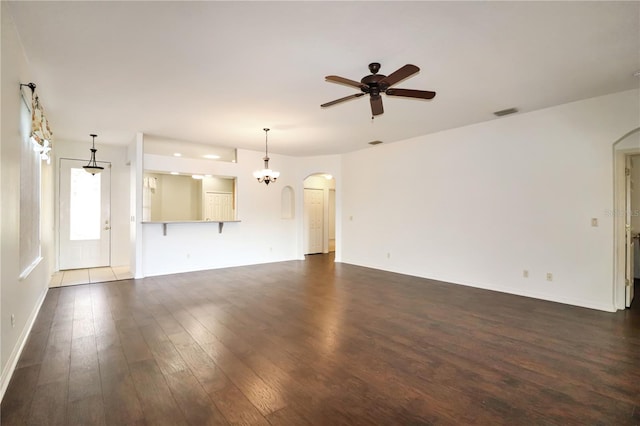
(84,206)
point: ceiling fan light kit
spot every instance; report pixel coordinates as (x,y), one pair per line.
(375,84)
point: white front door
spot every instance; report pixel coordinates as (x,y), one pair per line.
(85,216)
(313,220)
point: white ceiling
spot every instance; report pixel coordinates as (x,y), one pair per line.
(218,72)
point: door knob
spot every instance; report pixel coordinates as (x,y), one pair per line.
(106,228)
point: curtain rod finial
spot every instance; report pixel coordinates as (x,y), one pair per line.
(31,86)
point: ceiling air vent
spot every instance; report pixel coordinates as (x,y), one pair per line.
(505,112)
(375,142)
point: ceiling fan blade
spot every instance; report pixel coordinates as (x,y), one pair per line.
(346,81)
(422,94)
(399,75)
(346,98)
(376,105)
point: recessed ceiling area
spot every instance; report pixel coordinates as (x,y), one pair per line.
(177,148)
(217,73)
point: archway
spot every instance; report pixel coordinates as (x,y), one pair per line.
(319,214)
(627,145)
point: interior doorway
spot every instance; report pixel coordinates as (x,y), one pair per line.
(84,215)
(626,217)
(319,212)
(632,226)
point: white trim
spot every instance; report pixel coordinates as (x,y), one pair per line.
(30,268)
(17,349)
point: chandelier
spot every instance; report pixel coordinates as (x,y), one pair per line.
(266,175)
(92,167)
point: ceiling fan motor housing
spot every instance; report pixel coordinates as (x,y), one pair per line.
(373,84)
(374,87)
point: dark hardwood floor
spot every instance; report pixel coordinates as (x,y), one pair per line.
(313,342)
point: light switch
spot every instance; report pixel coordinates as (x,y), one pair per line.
(594,221)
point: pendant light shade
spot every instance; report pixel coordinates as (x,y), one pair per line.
(93,167)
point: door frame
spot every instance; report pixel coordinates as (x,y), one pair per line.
(326,213)
(628,234)
(105,164)
(619,219)
(332,215)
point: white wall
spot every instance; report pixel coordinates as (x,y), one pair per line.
(478,205)
(22,298)
(135,159)
(261,236)
(117,156)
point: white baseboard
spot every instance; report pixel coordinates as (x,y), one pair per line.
(590,304)
(17,350)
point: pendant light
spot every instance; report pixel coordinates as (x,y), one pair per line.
(93,167)
(266,175)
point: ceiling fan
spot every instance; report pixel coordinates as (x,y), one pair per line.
(375,84)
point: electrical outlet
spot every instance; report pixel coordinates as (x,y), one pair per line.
(525,274)
(13,320)
(549,276)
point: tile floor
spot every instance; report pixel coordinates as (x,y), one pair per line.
(92,275)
